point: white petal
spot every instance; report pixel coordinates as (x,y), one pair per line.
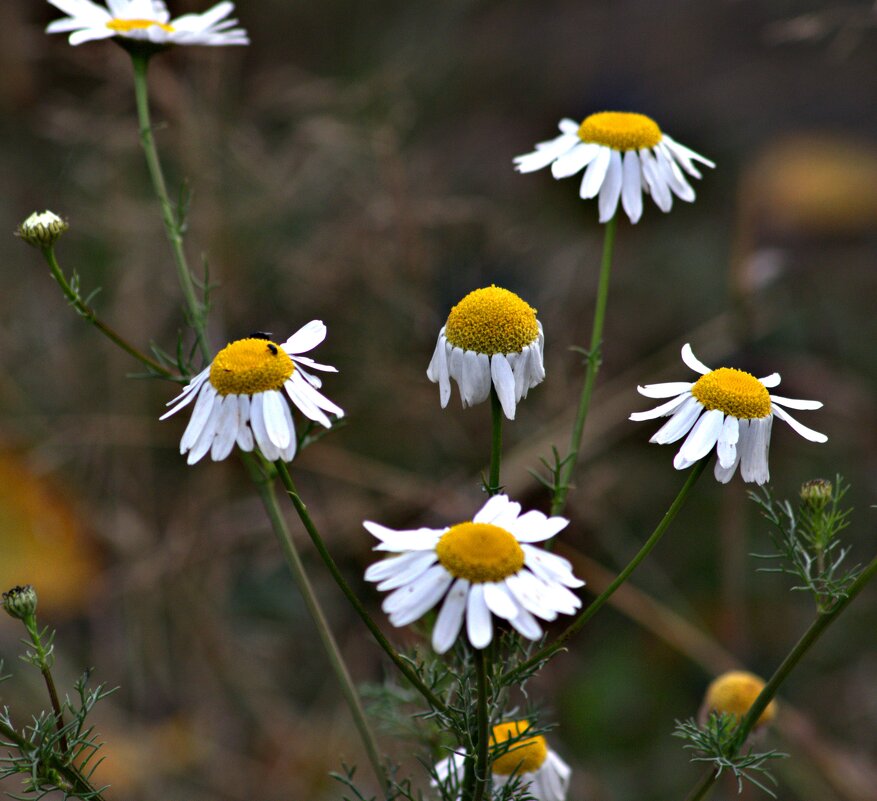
(550,567)
(257,422)
(770,381)
(727,444)
(419,539)
(303,395)
(479,626)
(807,433)
(684,153)
(631,186)
(412,601)
(438,369)
(306,338)
(679,424)
(672,175)
(494,507)
(407,568)
(658,188)
(526,589)
(692,361)
(504,381)
(398,565)
(525,624)
(576,159)
(796,404)
(275,420)
(499,601)
(660,411)
(475,386)
(546,152)
(610,191)
(205,439)
(203,407)
(226,428)
(666,390)
(754,445)
(450,618)
(724,474)
(596,172)
(533,526)
(702,438)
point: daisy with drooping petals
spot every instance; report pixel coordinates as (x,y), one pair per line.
(481,567)
(625,155)
(529,760)
(240,397)
(491,335)
(728,409)
(146,21)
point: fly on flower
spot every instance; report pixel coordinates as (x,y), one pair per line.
(240,397)
(728,409)
(146,21)
(480,567)
(623,155)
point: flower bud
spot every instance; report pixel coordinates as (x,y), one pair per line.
(20,602)
(42,229)
(816,493)
(733,693)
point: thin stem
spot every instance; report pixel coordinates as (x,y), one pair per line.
(42,661)
(482,769)
(604,596)
(493,485)
(84,310)
(293,560)
(172,225)
(360,610)
(809,638)
(594,357)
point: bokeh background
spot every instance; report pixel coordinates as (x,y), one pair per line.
(354,164)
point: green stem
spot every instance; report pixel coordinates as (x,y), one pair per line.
(482,768)
(172,225)
(84,310)
(594,357)
(813,633)
(604,596)
(493,485)
(42,661)
(293,560)
(360,610)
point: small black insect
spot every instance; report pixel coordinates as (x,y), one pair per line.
(260,335)
(273,348)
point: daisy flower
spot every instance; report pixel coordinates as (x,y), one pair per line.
(490,335)
(146,21)
(240,397)
(483,566)
(727,409)
(733,693)
(625,154)
(528,760)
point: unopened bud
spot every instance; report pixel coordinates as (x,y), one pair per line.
(42,229)
(733,693)
(816,493)
(20,602)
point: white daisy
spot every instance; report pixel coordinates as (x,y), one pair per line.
(479,567)
(527,760)
(726,408)
(146,21)
(625,155)
(240,398)
(490,335)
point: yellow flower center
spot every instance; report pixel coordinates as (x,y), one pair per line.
(620,130)
(525,756)
(248,366)
(733,392)
(479,552)
(128,25)
(492,320)
(736,691)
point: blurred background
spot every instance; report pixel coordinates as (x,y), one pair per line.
(354,164)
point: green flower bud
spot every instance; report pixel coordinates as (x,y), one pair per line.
(20,602)
(42,229)
(816,493)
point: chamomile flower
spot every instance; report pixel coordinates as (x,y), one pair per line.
(528,761)
(477,568)
(146,21)
(491,335)
(728,409)
(625,155)
(240,397)
(733,693)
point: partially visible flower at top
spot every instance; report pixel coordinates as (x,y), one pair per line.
(20,602)
(240,398)
(816,493)
(146,21)
(728,409)
(42,229)
(490,335)
(528,760)
(734,693)
(483,566)
(625,154)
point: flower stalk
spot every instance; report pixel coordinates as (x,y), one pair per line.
(592,367)
(493,486)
